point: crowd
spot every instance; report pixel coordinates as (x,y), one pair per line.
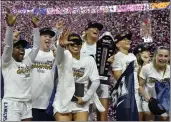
(113,22)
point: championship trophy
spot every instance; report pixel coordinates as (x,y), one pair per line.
(104,50)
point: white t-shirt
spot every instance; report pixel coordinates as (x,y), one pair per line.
(84,70)
(17,76)
(149,74)
(88,49)
(42,79)
(71,70)
(17,85)
(91,50)
(121,61)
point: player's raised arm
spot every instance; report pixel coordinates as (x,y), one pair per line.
(36,39)
(8,49)
(63,42)
(58,30)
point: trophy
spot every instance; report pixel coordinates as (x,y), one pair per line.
(104,50)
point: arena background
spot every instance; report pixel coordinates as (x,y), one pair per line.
(116,16)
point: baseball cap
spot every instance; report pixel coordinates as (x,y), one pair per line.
(94,24)
(121,36)
(75,38)
(22,42)
(47,30)
(155,107)
(139,48)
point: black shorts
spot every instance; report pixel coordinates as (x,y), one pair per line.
(41,115)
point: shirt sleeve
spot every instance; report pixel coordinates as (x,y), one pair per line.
(57,34)
(117,64)
(93,87)
(29,59)
(94,74)
(59,55)
(94,78)
(8,48)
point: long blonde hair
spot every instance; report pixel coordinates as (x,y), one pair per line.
(84,36)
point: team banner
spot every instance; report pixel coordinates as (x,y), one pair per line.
(132,7)
(123,97)
(95,9)
(36,11)
(162,89)
(82,10)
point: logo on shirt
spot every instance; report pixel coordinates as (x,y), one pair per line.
(77,73)
(152,80)
(5,111)
(42,66)
(24,70)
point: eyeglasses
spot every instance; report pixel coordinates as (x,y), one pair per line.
(78,43)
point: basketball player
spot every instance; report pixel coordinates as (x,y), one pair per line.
(75,70)
(91,36)
(16,103)
(43,73)
(143,57)
(122,60)
(159,70)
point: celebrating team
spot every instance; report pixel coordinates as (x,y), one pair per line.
(29,74)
